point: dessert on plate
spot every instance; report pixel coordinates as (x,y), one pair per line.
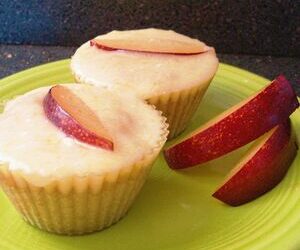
(169,70)
(74,157)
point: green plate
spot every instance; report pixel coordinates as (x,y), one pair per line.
(175,209)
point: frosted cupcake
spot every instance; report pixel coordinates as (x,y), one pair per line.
(169,70)
(74,157)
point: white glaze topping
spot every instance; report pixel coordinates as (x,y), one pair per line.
(31,144)
(148,74)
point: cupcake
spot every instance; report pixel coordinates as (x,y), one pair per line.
(74,157)
(169,70)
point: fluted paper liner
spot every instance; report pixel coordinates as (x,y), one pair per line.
(177,106)
(79,204)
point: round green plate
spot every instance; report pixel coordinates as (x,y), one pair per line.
(175,209)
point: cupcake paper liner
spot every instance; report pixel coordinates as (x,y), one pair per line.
(78,205)
(179,107)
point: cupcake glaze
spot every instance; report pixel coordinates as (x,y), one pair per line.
(125,117)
